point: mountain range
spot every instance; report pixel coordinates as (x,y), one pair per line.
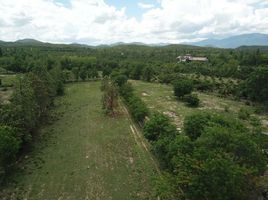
(253,39)
(244,40)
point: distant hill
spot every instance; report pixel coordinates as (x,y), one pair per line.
(29,41)
(243,42)
(254,48)
(254,39)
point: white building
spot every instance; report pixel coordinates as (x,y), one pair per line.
(189,58)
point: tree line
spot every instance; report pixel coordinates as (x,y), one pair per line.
(29,106)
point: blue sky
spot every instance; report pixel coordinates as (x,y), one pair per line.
(150,21)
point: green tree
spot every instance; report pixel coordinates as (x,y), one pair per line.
(138,109)
(83,73)
(120,79)
(24,103)
(148,73)
(256,87)
(182,87)
(9,146)
(58,80)
(195,124)
(110,97)
(75,71)
(158,126)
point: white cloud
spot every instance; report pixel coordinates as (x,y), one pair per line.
(95,22)
(145,5)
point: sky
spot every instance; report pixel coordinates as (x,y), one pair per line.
(96,22)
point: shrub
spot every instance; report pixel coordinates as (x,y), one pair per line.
(204,86)
(126,91)
(136,106)
(182,87)
(138,109)
(243,114)
(256,87)
(195,124)
(160,131)
(158,126)
(192,100)
(9,145)
(120,79)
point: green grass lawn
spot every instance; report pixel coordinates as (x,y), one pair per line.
(160,97)
(83,155)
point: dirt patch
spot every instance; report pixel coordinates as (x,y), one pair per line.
(131,160)
(170,114)
(211,105)
(145,94)
(175,118)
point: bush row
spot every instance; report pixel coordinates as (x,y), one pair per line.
(135,105)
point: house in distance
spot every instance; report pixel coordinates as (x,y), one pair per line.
(189,58)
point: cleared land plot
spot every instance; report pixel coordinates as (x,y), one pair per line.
(84,155)
(160,97)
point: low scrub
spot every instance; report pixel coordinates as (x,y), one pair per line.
(191,100)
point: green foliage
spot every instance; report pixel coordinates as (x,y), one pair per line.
(191,100)
(136,106)
(24,102)
(126,91)
(106,71)
(138,109)
(83,73)
(217,156)
(93,73)
(110,96)
(182,87)
(9,146)
(119,79)
(157,127)
(75,71)
(58,80)
(215,178)
(256,87)
(148,74)
(160,132)
(136,72)
(244,114)
(165,187)
(195,124)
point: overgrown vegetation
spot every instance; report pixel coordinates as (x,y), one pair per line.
(213,152)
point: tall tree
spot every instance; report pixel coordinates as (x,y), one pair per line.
(110,97)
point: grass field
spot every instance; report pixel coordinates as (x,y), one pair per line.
(160,97)
(84,155)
